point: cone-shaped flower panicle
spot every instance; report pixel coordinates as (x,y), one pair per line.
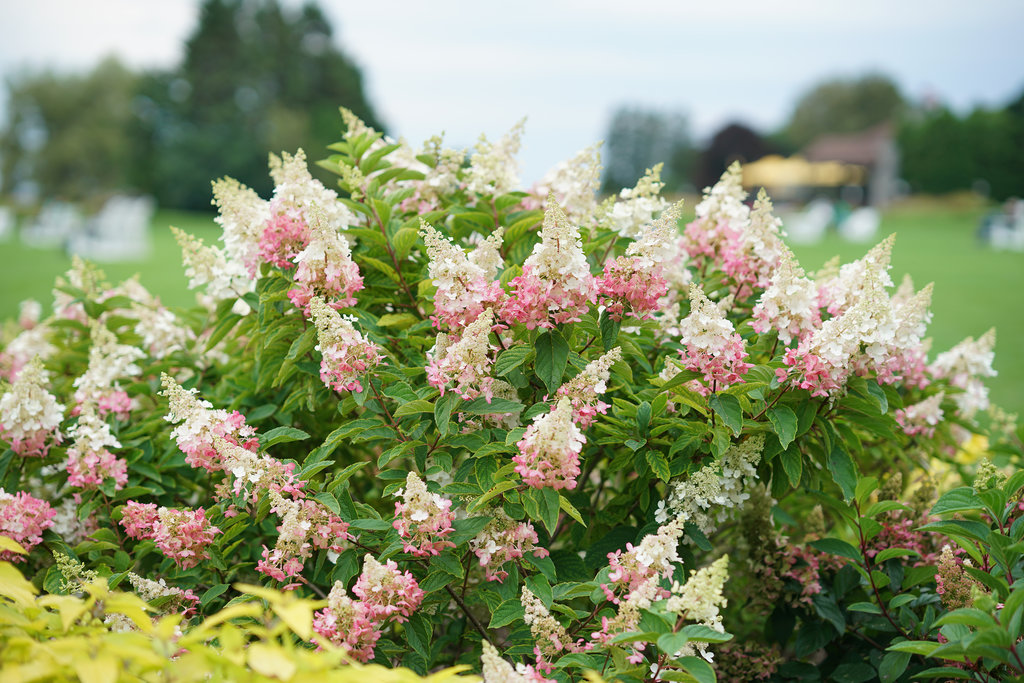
(503,540)
(199,424)
(493,168)
(556,285)
(347,624)
(466,363)
(30,416)
(387,592)
(423,519)
(789,304)
(585,389)
(306,526)
(325,267)
(347,354)
(713,348)
(549,452)
(464,288)
(182,535)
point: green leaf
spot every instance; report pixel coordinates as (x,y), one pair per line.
(915,647)
(403,241)
(834,546)
(609,330)
(671,643)
(890,553)
(397,320)
(480,406)
(698,668)
(552,356)
(465,529)
(878,394)
(443,411)
(784,424)
(658,464)
(495,490)
(414,407)
(212,593)
(957,500)
(508,612)
(792,465)
(329,501)
(570,509)
(281,435)
(511,359)
(548,506)
(843,470)
(704,634)
(728,408)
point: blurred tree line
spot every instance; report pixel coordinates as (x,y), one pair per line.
(255,77)
(940,151)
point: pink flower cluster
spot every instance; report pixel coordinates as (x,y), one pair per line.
(720,370)
(23,519)
(584,390)
(182,535)
(503,540)
(422,519)
(116,402)
(922,417)
(629,284)
(89,468)
(536,302)
(306,525)
(549,452)
(475,296)
(346,623)
(199,425)
(385,593)
(466,363)
(811,371)
(347,354)
(326,269)
(284,236)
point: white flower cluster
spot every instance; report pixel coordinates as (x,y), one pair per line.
(242,215)
(707,497)
(208,267)
(295,188)
(790,302)
(28,412)
(706,328)
(856,279)
(493,167)
(700,600)
(638,205)
(559,257)
(964,365)
(658,243)
(575,184)
(108,362)
(724,202)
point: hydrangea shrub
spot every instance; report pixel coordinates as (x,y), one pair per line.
(534,433)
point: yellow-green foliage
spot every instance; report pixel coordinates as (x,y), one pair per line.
(72,637)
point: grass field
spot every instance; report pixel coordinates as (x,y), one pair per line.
(975,287)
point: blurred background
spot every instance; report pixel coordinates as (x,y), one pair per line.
(859,118)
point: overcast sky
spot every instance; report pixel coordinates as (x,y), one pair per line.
(471,67)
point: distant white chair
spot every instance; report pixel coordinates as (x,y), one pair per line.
(54,226)
(119,232)
(6,222)
(861,225)
(808,227)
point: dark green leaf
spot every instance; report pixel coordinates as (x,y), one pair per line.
(843,471)
(728,408)
(784,424)
(609,330)
(834,546)
(281,435)
(511,359)
(552,356)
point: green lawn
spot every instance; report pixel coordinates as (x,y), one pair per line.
(975,287)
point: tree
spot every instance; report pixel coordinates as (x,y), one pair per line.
(640,138)
(64,136)
(843,106)
(734,142)
(255,77)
